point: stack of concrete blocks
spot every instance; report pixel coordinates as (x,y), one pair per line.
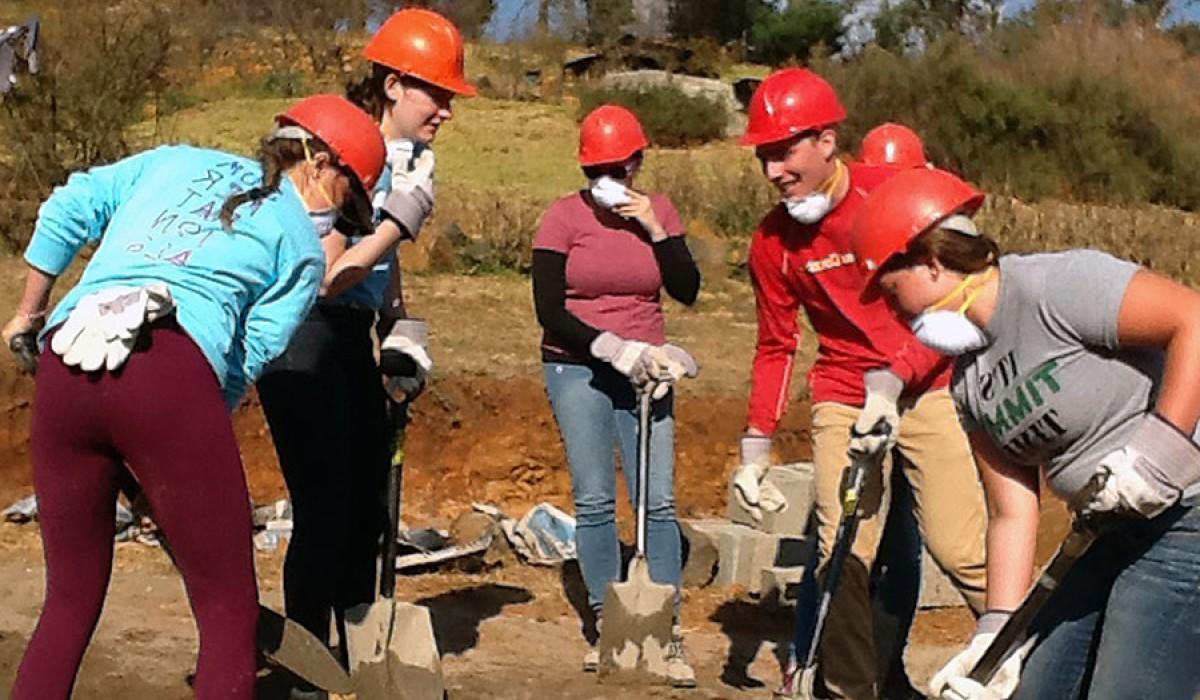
(767,557)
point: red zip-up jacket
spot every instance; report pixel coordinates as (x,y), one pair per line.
(794,265)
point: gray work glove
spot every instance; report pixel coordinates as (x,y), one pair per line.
(1150,473)
(626,356)
(868,437)
(754,494)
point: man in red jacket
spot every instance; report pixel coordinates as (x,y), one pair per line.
(869,367)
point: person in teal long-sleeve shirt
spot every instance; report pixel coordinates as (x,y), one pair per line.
(205,263)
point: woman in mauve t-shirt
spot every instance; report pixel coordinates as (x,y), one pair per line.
(600,260)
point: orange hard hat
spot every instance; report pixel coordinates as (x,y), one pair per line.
(350,132)
(895,145)
(789,102)
(425,45)
(906,205)
(610,134)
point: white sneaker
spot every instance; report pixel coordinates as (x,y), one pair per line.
(679,671)
(591,660)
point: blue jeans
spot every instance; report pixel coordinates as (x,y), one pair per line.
(596,408)
(1126,621)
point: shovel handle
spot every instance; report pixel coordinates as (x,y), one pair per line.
(387,568)
(643,467)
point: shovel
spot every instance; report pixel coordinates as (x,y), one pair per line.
(799,681)
(638,614)
(392,650)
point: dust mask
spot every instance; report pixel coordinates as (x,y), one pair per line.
(950,332)
(608,192)
(814,206)
(325,218)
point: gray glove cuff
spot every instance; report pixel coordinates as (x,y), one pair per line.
(991,621)
(408,209)
(884,383)
(755,449)
(606,346)
(1170,461)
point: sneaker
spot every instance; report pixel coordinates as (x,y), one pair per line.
(679,671)
(591,660)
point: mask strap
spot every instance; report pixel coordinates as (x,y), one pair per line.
(834,180)
(983,277)
(320,185)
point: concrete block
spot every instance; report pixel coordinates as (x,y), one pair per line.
(744,553)
(780,585)
(702,549)
(936,589)
(795,481)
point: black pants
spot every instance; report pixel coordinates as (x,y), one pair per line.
(325,405)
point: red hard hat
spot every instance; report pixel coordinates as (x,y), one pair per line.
(906,205)
(893,144)
(350,132)
(791,101)
(425,45)
(610,134)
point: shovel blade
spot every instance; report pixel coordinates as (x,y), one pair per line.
(638,616)
(393,653)
(286,643)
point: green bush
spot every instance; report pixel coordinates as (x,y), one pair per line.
(671,117)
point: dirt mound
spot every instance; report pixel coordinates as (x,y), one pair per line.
(475,438)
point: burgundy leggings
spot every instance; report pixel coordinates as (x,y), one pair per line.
(163,415)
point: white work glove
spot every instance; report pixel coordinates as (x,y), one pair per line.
(403,359)
(952,683)
(103,327)
(665,365)
(1150,473)
(867,436)
(410,200)
(754,494)
(629,357)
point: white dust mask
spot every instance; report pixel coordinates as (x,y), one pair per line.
(323,220)
(950,332)
(814,206)
(608,192)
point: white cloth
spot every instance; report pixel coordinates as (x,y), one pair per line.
(103,327)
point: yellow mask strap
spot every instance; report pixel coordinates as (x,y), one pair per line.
(983,278)
(835,180)
(320,185)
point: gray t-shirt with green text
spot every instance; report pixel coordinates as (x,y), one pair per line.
(1052,389)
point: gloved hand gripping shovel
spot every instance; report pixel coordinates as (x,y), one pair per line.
(639,613)
(800,682)
(282,641)
(1016,630)
(392,650)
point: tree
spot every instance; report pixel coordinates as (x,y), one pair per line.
(723,20)
(795,32)
(606,19)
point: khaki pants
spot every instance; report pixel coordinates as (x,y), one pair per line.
(948,499)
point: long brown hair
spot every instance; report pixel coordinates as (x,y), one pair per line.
(276,156)
(958,252)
